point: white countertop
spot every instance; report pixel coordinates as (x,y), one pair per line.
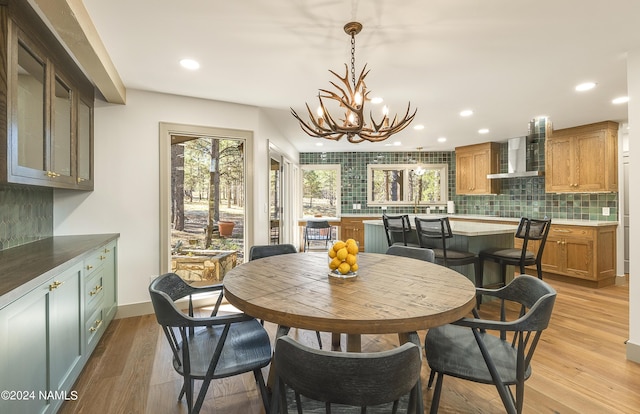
(466,228)
(567,222)
(515,220)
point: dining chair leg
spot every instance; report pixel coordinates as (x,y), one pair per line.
(503,274)
(435,399)
(432,376)
(539,269)
(478,273)
(319,339)
(263,388)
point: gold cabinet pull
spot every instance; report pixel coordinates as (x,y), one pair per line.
(89,267)
(97,324)
(106,250)
(95,290)
(55,285)
(102,257)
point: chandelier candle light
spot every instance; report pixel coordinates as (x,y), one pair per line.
(352,96)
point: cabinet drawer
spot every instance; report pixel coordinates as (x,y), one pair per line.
(559,231)
(97,258)
(94,291)
(93,328)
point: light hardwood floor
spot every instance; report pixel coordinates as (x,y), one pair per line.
(579,367)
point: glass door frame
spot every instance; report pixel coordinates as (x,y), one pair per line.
(166,131)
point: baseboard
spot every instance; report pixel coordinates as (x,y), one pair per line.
(633,352)
(146,308)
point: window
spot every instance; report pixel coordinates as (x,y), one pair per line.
(404,184)
(321,190)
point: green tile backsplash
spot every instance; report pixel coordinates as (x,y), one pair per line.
(26,215)
(519,197)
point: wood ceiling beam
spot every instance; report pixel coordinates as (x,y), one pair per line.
(72,24)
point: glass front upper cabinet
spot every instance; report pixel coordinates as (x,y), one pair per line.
(50,109)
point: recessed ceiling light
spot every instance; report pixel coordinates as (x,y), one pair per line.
(466,112)
(319,144)
(442,139)
(585,86)
(620,100)
(483,131)
(418,127)
(189,64)
(376,100)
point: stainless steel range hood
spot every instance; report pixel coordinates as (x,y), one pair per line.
(517,154)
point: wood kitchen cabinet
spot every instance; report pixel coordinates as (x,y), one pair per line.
(582,159)
(582,254)
(353,228)
(473,164)
(46,115)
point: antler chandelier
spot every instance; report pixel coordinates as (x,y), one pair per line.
(352,97)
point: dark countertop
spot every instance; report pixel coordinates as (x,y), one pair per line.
(25,267)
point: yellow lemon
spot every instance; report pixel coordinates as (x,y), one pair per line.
(344,268)
(351,259)
(332,253)
(354,267)
(352,248)
(350,241)
(342,254)
(335,263)
(338,245)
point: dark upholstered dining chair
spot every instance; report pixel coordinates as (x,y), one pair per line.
(413,252)
(398,230)
(528,230)
(323,379)
(266,250)
(208,348)
(466,350)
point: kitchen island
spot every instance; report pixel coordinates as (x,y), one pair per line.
(467,236)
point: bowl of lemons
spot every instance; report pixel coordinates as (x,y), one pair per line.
(343,259)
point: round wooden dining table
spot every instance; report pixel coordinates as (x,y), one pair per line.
(391,294)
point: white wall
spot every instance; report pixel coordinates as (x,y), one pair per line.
(125,199)
(633,86)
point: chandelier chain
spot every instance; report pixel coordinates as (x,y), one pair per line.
(353,59)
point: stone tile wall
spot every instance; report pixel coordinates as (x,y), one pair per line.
(26,215)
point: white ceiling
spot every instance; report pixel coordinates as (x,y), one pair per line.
(508,60)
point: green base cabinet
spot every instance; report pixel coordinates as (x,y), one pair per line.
(48,333)
(42,335)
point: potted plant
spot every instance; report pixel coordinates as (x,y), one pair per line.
(225,228)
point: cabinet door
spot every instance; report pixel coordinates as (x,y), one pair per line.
(28,129)
(590,149)
(353,228)
(560,165)
(110,281)
(85,146)
(65,328)
(553,255)
(579,257)
(482,167)
(61,156)
(464,173)
(23,352)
